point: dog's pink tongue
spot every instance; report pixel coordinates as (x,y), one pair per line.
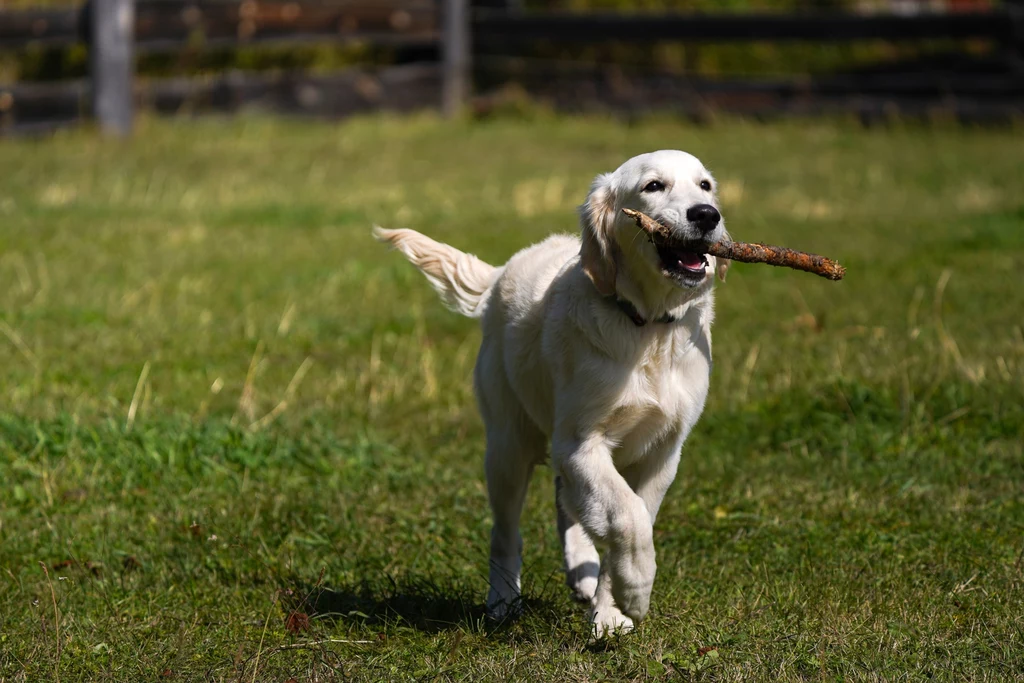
(689,259)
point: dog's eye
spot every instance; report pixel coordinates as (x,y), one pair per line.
(705,185)
(654,186)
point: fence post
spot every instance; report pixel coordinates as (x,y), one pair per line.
(455,74)
(111,34)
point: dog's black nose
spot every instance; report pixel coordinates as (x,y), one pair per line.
(704,216)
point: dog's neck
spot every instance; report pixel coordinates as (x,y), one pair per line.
(686,327)
(634,315)
(646,299)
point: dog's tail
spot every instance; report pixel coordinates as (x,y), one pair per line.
(461,279)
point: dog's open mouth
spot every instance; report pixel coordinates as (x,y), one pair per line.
(679,262)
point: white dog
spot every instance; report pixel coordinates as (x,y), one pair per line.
(603,349)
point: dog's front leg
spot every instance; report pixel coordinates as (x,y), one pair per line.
(652,476)
(595,494)
(581,562)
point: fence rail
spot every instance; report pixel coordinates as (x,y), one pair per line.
(46,27)
(461,35)
(165,25)
(171,24)
(504,28)
(979,98)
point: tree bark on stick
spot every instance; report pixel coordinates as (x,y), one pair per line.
(744,252)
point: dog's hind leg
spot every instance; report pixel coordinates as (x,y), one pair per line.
(514,445)
(581,561)
(509,466)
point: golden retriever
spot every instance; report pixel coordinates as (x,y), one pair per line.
(600,347)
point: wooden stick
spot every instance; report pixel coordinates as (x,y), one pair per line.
(745,252)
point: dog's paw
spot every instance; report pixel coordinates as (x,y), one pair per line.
(608,622)
(632,578)
(583,591)
(634,600)
(501,607)
(582,581)
(582,563)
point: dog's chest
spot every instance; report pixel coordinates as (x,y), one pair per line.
(661,400)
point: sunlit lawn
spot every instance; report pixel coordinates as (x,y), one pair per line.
(222,405)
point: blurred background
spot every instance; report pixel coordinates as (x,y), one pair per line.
(870,58)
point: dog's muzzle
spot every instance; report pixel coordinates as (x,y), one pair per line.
(703,217)
(683,261)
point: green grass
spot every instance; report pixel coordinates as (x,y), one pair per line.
(222,403)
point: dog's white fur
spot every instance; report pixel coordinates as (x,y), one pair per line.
(560,363)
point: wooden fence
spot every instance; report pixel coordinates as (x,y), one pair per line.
(115,31)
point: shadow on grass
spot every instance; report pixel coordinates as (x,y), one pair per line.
(421,604)
(424,604)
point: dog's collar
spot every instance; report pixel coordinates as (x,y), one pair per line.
(630,310)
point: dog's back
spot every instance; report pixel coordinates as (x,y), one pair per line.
(511,299)
(513,326)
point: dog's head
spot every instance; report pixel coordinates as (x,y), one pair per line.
(671,187)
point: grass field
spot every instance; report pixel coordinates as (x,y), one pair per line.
(238,440)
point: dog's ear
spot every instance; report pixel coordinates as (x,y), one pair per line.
(722,267)
(722,264)
(597,217)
